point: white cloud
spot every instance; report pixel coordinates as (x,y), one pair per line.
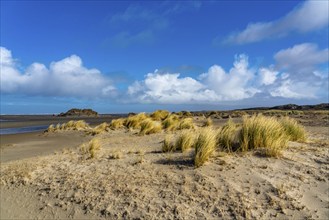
(214,86)
(267,76)
(302,57)
(307,17)
(67,77)
(296,90)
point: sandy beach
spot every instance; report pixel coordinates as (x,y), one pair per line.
(45,176)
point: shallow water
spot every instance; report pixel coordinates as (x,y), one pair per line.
(23,129)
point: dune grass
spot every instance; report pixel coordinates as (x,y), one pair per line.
(104,127)
(159,115)
(171,122)
(185,140)
(90,149)
(186,123)
(205,146)
(227,136)
(168,145)
(266,133)
(80,125)
(148,126)
(117,123)
(295,131)
(208,122)
(134,122)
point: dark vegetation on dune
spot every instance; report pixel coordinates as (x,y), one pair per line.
(79,112)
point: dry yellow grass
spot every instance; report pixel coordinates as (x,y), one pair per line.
(171,122)
(185,140)
(208,122)
(148,126)
(80,125)
(205,146)
(266,133)
(90,149)
(134,122)
(168,145)
(117,123)
(295,131)
(186,123)
(104,127)
(227,136)
(160,115)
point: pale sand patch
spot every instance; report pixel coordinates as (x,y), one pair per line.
(143,182)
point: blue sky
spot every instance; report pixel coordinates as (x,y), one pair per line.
(135,56)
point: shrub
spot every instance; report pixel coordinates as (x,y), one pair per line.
(148,126)
(117,123)
(227,136)
(159,115)
(134,122)
(295,131)
(205,146)
(167,145)
(259,132)
(186,123)
(185,140)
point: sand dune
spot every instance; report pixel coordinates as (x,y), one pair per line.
(131,178)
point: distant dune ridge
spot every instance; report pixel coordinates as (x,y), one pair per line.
(79,112)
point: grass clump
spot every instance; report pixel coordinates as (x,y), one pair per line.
(91,148)
(205,145)
(186,123)
(266,133)
(171,122)
(208,122)
(80,125)
(51,128)
(104,127)
(117,123)
(159,115)
(148,126)
(168,145)
(227,136)
(134,122)
(185,140)
(293,130)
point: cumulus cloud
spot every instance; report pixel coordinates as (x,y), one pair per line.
(213,86)
(67,77)
(301,57)
(307,17)
(295,75)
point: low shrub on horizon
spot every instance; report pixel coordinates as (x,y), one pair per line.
(205,146)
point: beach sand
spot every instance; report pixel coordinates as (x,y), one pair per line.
(130,178)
